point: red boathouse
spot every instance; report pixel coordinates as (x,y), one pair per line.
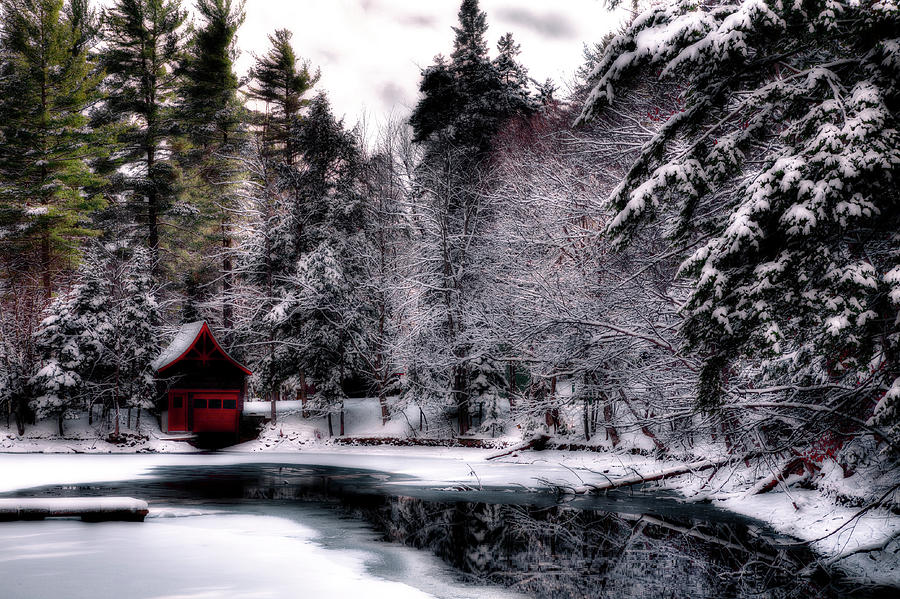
(203,386)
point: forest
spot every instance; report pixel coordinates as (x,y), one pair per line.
(695,245)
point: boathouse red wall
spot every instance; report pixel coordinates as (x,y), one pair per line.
(202,386)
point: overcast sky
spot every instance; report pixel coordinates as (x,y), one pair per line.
(371,51)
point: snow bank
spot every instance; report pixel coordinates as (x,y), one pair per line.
(81,437)
(859,546)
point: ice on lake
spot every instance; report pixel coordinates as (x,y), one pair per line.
(198,554)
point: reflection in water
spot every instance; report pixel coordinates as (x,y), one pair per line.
(525,542)
(570,552)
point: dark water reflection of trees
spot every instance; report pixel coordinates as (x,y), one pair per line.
(562,551)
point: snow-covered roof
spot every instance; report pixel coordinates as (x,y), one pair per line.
(183,341)
(180,344)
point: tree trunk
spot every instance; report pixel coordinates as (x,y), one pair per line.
(385,415)
(137,420)
(303,398)
(537,443)
(587,421)
(551,416)
(382,400)
(227,277)
(20,423)
(59,423)
(462,399)
(152,211)
(45,263)
(342,420)
(330,428)
(607,418)
(273,413)
(636,479)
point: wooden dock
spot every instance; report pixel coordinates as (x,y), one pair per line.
(89,509)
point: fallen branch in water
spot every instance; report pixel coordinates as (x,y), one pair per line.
(639,478)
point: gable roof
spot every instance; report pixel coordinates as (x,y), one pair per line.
(184,341)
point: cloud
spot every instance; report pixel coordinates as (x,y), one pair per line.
(552,25)
(392,94)
(429,21)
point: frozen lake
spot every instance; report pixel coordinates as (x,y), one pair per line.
(276,530)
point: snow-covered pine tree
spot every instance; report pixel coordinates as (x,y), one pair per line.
(514,81)
(465,101)
(137,331)
(783,166)
(319,239)
(70,342)
(98,339)
(144,42)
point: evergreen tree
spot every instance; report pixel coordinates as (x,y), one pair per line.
(280,81)
(136,330)
(466,101)
(70,341)
(463,104)
(783,166)
(49,81)
(209,107)
(439,101)
(144,40)
(514,98)
(98,339)
(213,118)
(321,238)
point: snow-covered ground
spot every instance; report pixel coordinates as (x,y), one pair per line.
(81,437)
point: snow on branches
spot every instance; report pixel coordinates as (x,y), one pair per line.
(783,163)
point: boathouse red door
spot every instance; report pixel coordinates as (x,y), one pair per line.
(178,411)
(214,411)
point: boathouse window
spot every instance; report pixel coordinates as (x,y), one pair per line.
(229,404)
(215,404)
(199,402)
(177,402)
